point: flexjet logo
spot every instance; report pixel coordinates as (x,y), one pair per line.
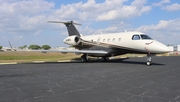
(149,43)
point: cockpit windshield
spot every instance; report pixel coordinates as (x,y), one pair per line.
(145,37)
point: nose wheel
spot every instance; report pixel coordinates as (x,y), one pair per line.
(148,63)
(149,59)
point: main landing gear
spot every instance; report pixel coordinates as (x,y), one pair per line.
(105,59)
(149,60)
(84,58)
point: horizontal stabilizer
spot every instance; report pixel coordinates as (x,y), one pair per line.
(69,22)
(70,27)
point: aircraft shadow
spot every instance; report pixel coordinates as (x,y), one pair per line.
(140,63)
(121,60)
(124,61)
(14,75)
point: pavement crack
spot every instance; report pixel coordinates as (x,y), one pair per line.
(78,90)
(176,98)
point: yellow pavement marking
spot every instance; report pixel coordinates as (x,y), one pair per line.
(8,63)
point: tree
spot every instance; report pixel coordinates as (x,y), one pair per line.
(25,46)
(1,47)
(22,47)
(46,47)
(34,47)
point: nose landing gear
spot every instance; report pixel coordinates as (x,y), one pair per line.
(149,59)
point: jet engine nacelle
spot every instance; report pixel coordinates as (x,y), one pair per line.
(72,40)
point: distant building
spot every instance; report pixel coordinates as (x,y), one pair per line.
(6,49)
(174,48)
(178,47)
(171,48)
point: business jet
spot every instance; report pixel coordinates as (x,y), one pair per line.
(111,44)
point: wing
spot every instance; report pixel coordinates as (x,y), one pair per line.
(72,51)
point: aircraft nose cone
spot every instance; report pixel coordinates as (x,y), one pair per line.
(165,49)
(157,47)
(162,48)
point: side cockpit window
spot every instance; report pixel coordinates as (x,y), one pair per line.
(145,37)
(135,37)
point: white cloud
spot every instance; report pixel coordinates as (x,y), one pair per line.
(111,29)
(170,25)
(18,37)
(173,7)
(37,32)
(86,11)
(108,10)
(162,2)
(166,5)
(117,26)
(138,2)
(4,38)
(23,15)
(30,16)
(124,12)
(86,31)
(29,7)
(165,31)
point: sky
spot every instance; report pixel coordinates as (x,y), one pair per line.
(24,22)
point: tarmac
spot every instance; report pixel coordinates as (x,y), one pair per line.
(119,80)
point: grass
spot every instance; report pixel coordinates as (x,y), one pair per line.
(20,57)
(34,56)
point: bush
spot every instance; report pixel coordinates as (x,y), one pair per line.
(1,47)
(46,47)
(22,47)
(34,47)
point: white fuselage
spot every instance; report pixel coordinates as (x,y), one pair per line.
(122,41)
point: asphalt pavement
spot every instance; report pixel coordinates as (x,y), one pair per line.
(119,80)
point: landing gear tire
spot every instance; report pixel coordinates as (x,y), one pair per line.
(84,58)
(148,63)
(105,59)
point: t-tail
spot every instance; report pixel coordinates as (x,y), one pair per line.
(11,46)
(70,27)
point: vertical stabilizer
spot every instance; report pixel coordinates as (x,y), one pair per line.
(70,27)
(11,46)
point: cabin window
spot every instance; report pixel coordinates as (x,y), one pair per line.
(108,39)
(145,37)
(103,40)
(119,39)
(135,37)
(113,39)
(98,40)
